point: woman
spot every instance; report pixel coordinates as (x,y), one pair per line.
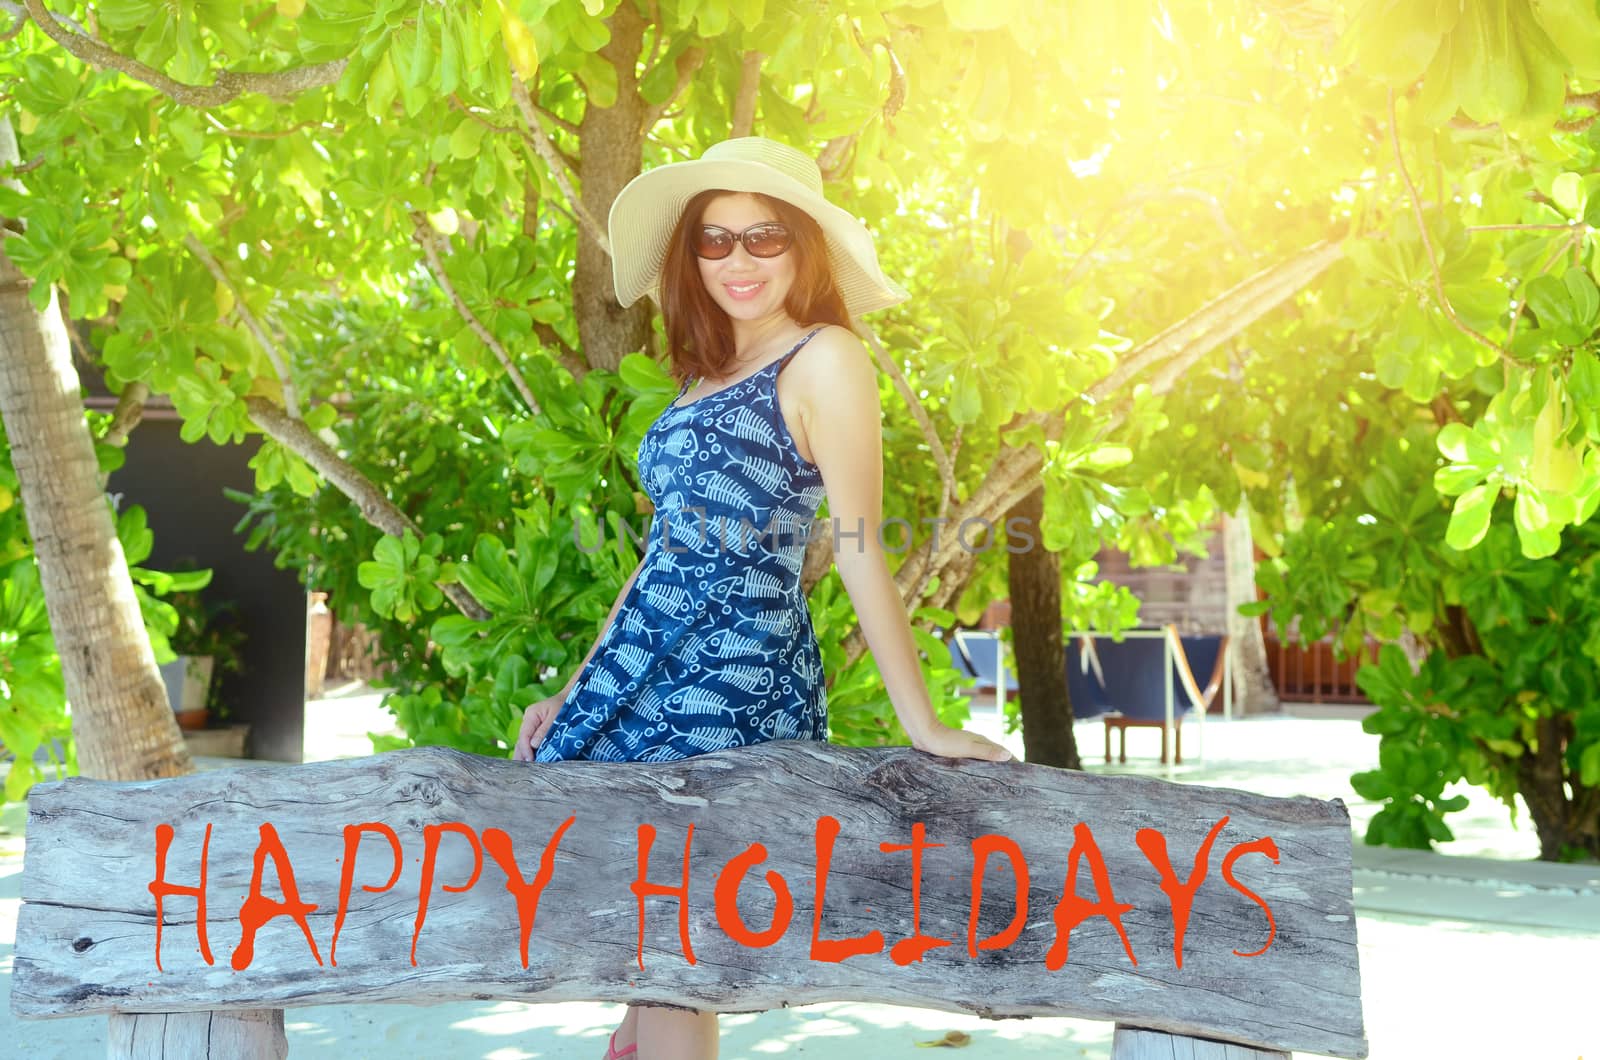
(710,644)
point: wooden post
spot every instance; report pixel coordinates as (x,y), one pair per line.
(1138,1043)
(243,1034)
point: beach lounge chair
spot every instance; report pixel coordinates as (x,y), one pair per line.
(963,665)
(1203,675)
(1136,685)
(982,648)
(1088,695)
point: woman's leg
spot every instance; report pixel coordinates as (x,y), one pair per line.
(675,1034)
(628,1031)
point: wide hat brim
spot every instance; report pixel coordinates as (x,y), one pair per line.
(647,209)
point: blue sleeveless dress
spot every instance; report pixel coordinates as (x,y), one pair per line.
(713,646)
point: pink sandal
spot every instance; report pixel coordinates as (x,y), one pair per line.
(611,1048)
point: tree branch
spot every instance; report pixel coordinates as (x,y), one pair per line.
(930,434)
(124,418)
(655,45)
(744,102)
(19,18)
(1016,470)
(280,364)
(430,248)
(1252,296)
(23,167)
(129,411)
(376,509)
(688,62)
(558,120)
(565,354)
(457,102)
(897,74)
(552,158)
(228,84)
(275,134)
(831,159)
(1427,244)
(1565,226)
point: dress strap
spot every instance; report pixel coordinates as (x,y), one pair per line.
(785,358)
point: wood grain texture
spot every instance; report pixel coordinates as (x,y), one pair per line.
(247,1034)
(86,930)
(1136,1043)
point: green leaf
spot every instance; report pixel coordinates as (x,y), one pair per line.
(422,62)
(1583,295)
(1538,535)
(1583,381)
(1464,445)
(1107,457)
(1567,190)
(467,138)
(966,404)
(1469,519)
(599,79)
(1552,300)
(134,534)
(383,86)
(1589,766)
(643,374)
(1373,784)
(1454,479)
(323,416)
(451,34)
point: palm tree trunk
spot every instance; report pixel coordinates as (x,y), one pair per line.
(121,721)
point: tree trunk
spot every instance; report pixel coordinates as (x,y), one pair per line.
(611,144)
(121,721)
(1034,579)
(1253,691)
(1542,776)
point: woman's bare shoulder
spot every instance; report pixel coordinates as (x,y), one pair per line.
(833,375)
(834,353)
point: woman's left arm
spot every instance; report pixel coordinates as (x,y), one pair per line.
(844,424)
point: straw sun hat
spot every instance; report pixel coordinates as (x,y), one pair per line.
(647,209)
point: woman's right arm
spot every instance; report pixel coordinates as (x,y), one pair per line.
(537,717)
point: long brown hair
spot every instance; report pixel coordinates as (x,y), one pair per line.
(698,331)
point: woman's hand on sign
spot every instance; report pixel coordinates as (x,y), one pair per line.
(535,723)
(947,742)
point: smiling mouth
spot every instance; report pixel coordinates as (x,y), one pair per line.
(744,288)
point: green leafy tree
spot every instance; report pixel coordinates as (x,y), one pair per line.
(1457,342)
(1158,268)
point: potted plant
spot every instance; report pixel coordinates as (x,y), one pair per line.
(207,642)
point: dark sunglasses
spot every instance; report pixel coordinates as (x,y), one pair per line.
(765,240)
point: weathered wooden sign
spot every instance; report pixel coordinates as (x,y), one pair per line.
(782,874)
